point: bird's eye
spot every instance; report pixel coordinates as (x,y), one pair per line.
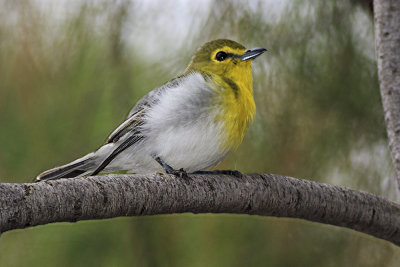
(221,56)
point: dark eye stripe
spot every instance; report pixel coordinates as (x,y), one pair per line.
(221,56)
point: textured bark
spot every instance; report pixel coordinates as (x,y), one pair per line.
(387,34)
(23,205)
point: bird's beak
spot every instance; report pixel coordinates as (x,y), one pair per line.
(252,53)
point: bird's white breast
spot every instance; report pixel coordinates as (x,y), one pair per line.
(181,128)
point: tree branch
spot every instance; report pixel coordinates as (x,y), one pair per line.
(98,197)
(387,34)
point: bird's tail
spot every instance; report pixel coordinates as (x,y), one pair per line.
(79,167)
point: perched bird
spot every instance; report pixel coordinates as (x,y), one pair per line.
(187,125)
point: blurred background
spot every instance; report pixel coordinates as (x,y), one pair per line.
(71,70)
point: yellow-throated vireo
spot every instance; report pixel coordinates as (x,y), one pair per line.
(187,125)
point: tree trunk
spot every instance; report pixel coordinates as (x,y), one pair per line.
(387,34)
(98,197)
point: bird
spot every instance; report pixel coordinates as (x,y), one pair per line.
(187,125)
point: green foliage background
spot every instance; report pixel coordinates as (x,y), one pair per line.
(70,72)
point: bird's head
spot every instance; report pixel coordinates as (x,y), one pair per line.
(224,57)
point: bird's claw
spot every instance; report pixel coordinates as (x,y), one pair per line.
(181,173)
(235,173)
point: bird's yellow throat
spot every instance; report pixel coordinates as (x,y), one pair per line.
(231,77)
(236,102)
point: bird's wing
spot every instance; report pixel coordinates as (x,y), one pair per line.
(135,117)
(152,97)
(132,139)
(131,126)
(132,123)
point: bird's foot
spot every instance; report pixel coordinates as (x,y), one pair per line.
(181,173)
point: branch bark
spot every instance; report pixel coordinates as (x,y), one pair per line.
(387,34)
(98,197)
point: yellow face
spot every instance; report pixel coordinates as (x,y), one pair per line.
(226,59)
(222,58)
(228,64)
